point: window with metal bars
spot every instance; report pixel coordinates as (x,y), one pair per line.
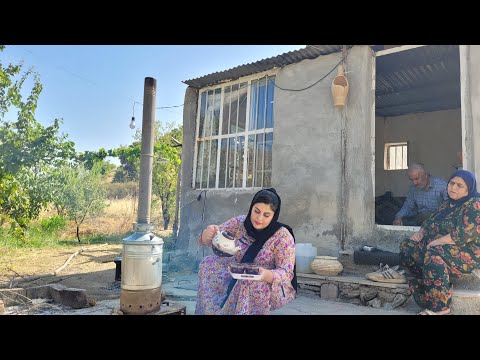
(396,156)
(234,135)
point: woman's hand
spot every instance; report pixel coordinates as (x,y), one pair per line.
(434,243)
(209,233)
(418,236)
(267,275)
(444,240)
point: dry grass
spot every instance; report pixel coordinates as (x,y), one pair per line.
(110,227)
(116,219)
(33,261)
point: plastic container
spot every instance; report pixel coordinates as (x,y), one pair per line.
(305,253)
(245,271)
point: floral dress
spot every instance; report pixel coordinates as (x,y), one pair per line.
(433,268)
(248,297)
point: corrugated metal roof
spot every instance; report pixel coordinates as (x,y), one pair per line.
(422,79)
(418,80)
(291,57)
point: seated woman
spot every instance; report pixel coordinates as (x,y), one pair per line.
(447,245)
(262,240)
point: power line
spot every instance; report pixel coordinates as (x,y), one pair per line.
(168,107)
(81,77)
(344,58)
(65,69)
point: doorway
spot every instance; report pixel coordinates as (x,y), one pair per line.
(417,119)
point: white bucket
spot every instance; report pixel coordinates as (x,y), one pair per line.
(304,255)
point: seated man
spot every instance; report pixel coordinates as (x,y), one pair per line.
(423,198)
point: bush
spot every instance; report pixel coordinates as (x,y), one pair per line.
(53,223)
(121,190)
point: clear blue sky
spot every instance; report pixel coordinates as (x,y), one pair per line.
(93,88)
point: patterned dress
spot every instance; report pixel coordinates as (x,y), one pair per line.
(248,297)
(433,268)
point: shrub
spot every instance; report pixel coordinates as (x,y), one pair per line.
(53,223)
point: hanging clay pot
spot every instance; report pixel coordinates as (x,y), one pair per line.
(340,87)
(326,266)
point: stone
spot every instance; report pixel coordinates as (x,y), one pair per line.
(386,296)
(367,294)
(467,281)
(398,301)
(465,302)
(39,292)
(75,298)
(375,303)
(15,296)
(351,294)
(329,292)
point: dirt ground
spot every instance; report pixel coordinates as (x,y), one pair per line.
(92,270)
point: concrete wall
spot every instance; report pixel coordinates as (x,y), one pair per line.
(325,177)
(470,97)
(434,138)
(189,127)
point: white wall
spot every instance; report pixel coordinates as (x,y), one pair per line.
(434,138)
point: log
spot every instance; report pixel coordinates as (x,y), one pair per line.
(75,254)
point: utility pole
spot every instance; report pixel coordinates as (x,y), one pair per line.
(142,250)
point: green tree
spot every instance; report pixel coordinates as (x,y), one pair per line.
(129,157)
(82,194)
(14,203)
(28,150)
(88,158)
(166,167)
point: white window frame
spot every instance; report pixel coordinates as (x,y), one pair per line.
(220,136)
(386,159)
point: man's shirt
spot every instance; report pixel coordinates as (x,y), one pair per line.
(424,200)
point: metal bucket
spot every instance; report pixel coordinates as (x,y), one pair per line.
(142,262)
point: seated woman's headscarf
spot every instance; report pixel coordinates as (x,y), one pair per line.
(471,182)
(261,236)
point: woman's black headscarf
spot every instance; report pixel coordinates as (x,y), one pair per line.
(270,197)
(471,182)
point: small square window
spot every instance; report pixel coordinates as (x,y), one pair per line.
(396,156)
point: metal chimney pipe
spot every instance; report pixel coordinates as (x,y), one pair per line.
(146,160)
(141,271)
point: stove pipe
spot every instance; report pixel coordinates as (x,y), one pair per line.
(141,272)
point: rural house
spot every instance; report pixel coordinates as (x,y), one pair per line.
(273,123)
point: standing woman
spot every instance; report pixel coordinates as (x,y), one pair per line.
(447,245)
(261,240)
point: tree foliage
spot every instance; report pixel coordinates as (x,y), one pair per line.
(167,161)
(89,158)
(129,157)
(28,150)
(82,194)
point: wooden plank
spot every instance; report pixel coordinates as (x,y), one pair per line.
(171,308)
(397,49)
(302,277)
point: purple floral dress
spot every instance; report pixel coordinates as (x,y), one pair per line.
(248,297)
